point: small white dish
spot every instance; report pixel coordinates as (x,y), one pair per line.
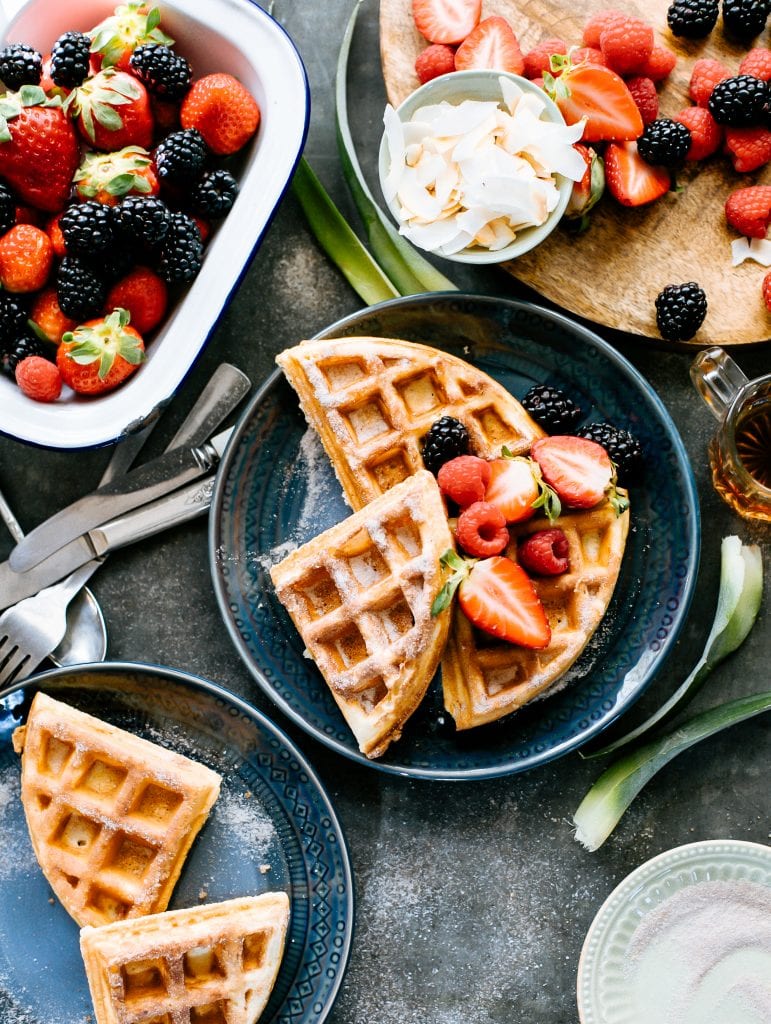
(214,35)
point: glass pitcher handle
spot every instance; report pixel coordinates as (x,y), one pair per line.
(717,378)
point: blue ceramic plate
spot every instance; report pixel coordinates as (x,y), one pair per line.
(272,828)
(276,489)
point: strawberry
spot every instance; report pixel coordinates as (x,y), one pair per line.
(706,133)
(644,94)
(50,88)
(28,215)
(131,25)
(757,63)
(597,94)
(749,210)
(545,553)
(54,232)
(630,180)
(627,45)
(705,76)
(223,111)
(492,44)
(26,257)
(464,479)
(579,470)
(588,190)
(597,24)
(144,295)
(481,530)
(498,597)
(537,60)
(437,59)
(516,488)
(100,354)
(446,21)
(749,148)
(39,379)
(47,319)
(660,64)
(107,177)
(766,289)
(112,110)
(38,148)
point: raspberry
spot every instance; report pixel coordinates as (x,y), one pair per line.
(705,76)
(706,133)
(464,479)
(545,553)
(39,379)
(627,45)
(660,64)
(749,148)
(757,63)
(590,54)
(749,210)
(437,59)
(481,530)
(600,21)
(767,290)
(644,94)
(537,59)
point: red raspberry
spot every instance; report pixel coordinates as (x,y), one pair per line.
(767,290)
(757,63)
(537,59)
(545,553)
(706,133)
(464,480)
(598,22)
(645,96)
(749,148)
(705,76)
(39,379)
(627,45)
(481,530)
(749,210)
(590,54)
(437,59)
(661,63)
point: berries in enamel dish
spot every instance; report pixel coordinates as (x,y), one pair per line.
(143,220)
(180,158)
(739,101)
(181,253)
(692,19)
(164,73)
(664,142)
(7,209)
(20,65)
(80,291)
(481,530)
(70,59)
(87,228)
(447,439)
(622,446)
(551,408)
(215,193)
(680,311)
(545,552)
(222,110)
(39,379)
(13,316)
(19,348)
(26,258)
(744,19)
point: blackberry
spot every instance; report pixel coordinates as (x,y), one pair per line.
(115,263)
(447,439)
(692,19)
(20,65)
(739,101)
(180,157)
(552,409)
(70,59)
(744,19)
(664,142)
(80,291)
(142,220)
(164,73)
(13,316)
(87,229)
(680,311)
(21,346)
(215,193)
(182,251)
(622,446)
(7,209)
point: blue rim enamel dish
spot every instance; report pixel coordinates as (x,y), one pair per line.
(273,827)
(276,489)
(235,36)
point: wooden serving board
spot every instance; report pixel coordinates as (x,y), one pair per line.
(612,273)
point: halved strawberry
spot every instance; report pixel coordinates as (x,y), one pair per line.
(512,488)
(597,94)
(446,21)
(630,180)
(579,470)
(492,44)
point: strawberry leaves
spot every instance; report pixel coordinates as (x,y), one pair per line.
(460,567)
(12,104)
(98,97)
(105,341)
(126,29)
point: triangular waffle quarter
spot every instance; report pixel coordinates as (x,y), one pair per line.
(111,815)
(212,964)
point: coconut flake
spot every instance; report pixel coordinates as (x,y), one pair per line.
(756,249)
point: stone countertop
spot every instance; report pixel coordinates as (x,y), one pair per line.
(473,900)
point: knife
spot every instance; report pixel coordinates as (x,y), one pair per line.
(179,507)
(152,480)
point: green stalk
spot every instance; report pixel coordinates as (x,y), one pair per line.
(338,240)
(603,806)
(738,603)
(409,271)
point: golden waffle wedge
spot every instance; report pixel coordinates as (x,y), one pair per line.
(213,964)
(484,679)
(360,595)
(373,400)
(111,816)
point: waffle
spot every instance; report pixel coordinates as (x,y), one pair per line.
(484,679)
(111,816)
(373,400)
(360,595)
(213,964)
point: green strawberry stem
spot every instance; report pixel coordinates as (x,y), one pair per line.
(461,567)
(105,341)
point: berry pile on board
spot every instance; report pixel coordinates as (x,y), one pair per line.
(111,174)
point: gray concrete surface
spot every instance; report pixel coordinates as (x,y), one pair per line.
(473,900)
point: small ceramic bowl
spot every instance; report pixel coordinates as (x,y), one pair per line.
(214,35)
(482,85)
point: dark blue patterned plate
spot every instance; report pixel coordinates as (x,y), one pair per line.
(272,827)
(276,489)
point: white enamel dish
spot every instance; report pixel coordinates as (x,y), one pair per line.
(214,35)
